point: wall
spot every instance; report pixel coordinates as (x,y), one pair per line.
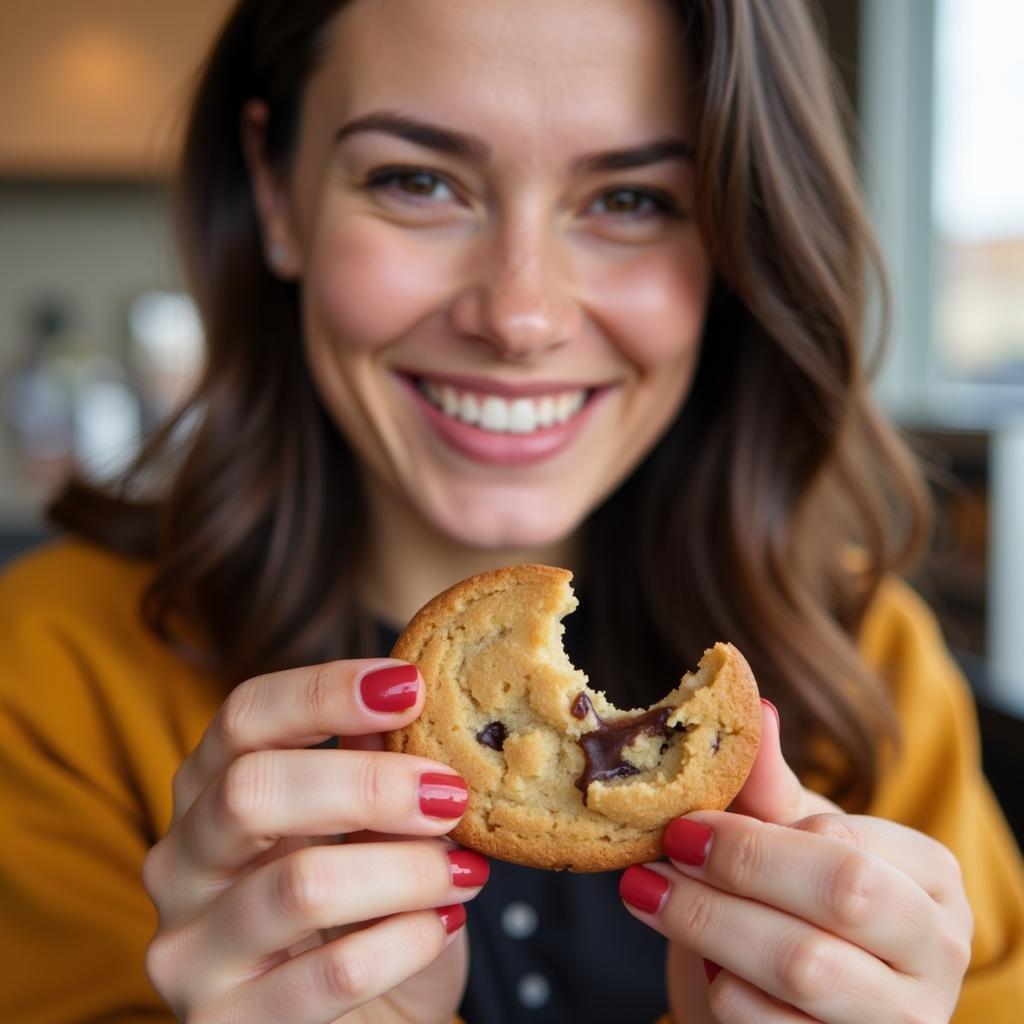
(96,88)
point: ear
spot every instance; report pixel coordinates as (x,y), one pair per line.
(270,196)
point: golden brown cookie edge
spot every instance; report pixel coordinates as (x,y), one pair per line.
(472,831)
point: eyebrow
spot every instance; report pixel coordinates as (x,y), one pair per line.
(470,147)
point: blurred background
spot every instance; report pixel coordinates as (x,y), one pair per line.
(98,340)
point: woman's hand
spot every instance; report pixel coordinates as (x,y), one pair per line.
(802,912)
(268,912)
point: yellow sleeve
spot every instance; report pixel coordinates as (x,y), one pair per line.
(95,717)
(936,786)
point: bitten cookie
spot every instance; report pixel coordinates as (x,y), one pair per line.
(558,777)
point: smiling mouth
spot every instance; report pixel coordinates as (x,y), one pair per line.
(499,415)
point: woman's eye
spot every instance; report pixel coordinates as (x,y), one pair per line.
(634,203)
(411,184)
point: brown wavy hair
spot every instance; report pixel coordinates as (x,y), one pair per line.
(738,525)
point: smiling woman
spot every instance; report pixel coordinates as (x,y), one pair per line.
(440,237)
(576,282)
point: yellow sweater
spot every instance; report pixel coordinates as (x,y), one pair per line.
(95,716)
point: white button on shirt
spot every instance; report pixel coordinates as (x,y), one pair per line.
(519,920)
(533,990)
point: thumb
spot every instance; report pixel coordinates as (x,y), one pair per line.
(772,791)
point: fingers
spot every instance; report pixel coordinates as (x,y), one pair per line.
(326,982)
(321,887)
(925,860)
(847,889)
(323,984)
(930,864)
(788,959)
(830,926)
(255,802)
(731,999)
(713,996)
(772,791)
(250,902)
(300,707)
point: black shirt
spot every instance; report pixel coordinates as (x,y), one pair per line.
(558,947)
(553,947)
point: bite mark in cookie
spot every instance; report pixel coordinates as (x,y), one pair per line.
(559,777)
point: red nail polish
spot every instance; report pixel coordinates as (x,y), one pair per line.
(644,889)
(453,917)
(711,969)
(392,688)
(688,841)
(775,711)
(442,796)
(469,869)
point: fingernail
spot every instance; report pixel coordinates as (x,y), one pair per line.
(453,917)
(644,889)
(688,842)
(711,969)
(775,711)
(392,688)
(469,869)
(442,796)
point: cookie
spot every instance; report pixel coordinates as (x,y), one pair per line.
(558,777)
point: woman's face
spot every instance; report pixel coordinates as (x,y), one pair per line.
(490,211)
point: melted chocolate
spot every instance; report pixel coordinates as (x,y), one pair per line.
(493,735)
(581,706)
(603,746)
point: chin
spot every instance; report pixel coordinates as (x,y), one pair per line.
(491,526)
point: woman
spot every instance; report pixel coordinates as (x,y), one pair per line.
(571,282)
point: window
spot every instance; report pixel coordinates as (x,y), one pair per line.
(978,196)
(942,89)
(941,95)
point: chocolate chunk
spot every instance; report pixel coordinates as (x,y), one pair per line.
(603,746)
(581,706)
(493,735)
(716,743)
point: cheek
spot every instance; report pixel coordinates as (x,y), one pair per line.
(366,286)
(655,307)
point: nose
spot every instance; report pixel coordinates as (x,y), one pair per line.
(517,297)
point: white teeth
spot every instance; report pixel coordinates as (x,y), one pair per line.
(449,400)
(522,416)
(501,416)
(494,414)
(566,406)
(469,409)
(546,411)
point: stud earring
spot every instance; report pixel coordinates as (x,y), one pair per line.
(278,254)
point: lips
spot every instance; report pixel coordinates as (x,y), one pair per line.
(501,415)
(501,424)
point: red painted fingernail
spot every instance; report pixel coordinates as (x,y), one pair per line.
(469,869)
(392,688)
(775,711)
(442,796)
(453,917)
(688,842)
(643,888)
(711,969)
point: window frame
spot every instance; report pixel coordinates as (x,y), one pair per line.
(897,113)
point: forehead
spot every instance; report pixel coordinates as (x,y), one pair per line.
(510,68)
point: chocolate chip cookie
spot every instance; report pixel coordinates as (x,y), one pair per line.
(558,777)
